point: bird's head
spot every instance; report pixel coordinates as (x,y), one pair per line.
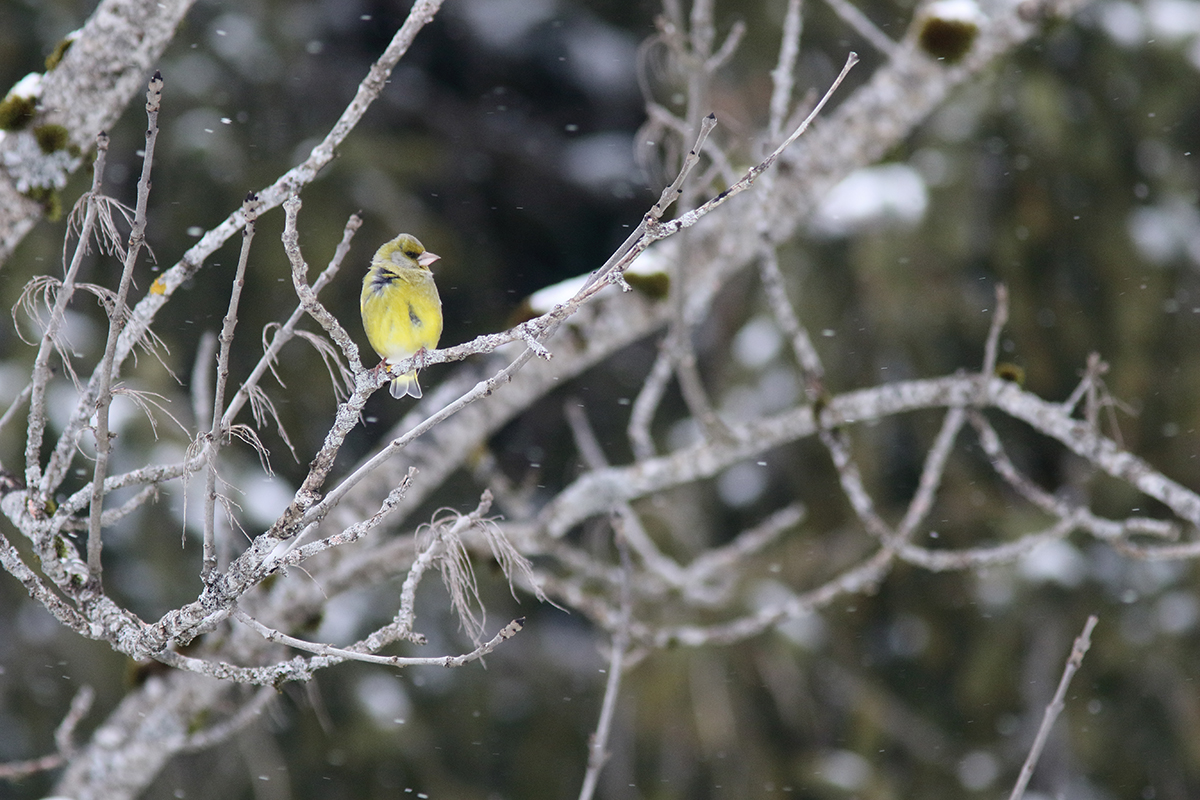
(406,251)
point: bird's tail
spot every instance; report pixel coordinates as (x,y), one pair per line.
(406,385)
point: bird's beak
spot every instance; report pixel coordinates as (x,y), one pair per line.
(427,258)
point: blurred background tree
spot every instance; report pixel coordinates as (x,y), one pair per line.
(506,141)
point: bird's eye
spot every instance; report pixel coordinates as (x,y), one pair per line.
(413,253)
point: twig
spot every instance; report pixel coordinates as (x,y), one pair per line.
(932,473)
(707,582)
(999,320)
(688,373)
(859,578)
(1058,506)
(1086,383)
(201,384)
(16,404)
(727,48)
(633,533)
(446,550)
(646,404)
(1102,452)
(215,734)
(41,365)
(299,669)
(700,26)
(978,557)
(1096,396)
(666,200)
(1176,552)
(789,321)
(118,317)
(782,77)
(690,218)
(294,553)
(662,120)
(768,260)
(1082,643)
(331,655)
(723,560)
(865,28)
(154,474)
(585,438)
(64,734)
(851,481)
(699,66)
(81,703)
(598,747)
(651,393)
(111,515)
(308,298)
(403,624)
(217,433)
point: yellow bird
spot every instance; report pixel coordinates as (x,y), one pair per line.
(401,310)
